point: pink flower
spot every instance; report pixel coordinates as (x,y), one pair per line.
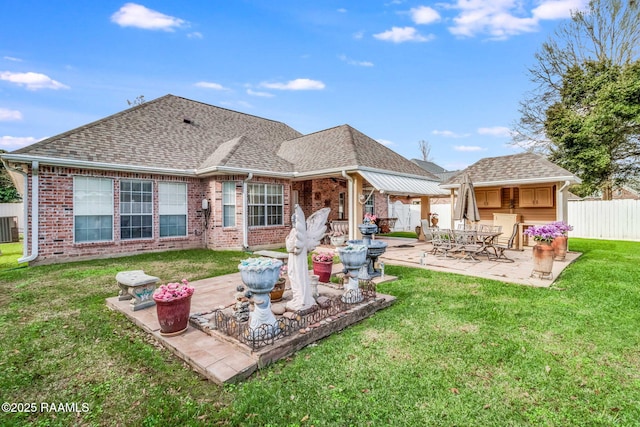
(173,291)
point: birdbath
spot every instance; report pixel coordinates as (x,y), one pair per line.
(260,276)
(353,257)
(375,247)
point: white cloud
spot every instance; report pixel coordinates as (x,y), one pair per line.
(7,115)
(558,9)
(450,134)
(354,62)
(358,35)
(424,15)
(11,143)
(342,10)
(297,84)
(136,15)
(468,148)
(262,94)
(495,131)
(32,81)
(501,19)
(385,142)
(211,85)
(401,35)
(195,35)
(11,58)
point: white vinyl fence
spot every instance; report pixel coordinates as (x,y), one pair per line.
(13,209)
(605,219)
(592,219)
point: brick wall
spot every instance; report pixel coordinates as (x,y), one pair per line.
(55,231)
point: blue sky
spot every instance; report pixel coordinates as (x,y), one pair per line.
(450,72)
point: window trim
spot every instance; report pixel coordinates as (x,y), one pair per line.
(225,186)
(265,204)
(152,214)
(75,215)
(186,210)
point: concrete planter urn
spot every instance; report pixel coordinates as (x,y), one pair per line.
(260,276)
(353,258)
(543,255)
(560,246)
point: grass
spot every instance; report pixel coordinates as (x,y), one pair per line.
(453,350)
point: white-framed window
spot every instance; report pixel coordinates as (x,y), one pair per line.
(136,209)
(369,207)
(229,204)
(265,204)
(172,208)
(341,203)
(92,209)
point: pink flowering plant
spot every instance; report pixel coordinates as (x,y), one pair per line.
(322,256)
(370,218)
(173,291)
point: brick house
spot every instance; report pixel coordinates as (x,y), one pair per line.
(173,173)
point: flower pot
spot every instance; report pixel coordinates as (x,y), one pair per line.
(543,255)
(323,270)
(434,222)
(338,240)
(173,316)
(559,245)
(278,290)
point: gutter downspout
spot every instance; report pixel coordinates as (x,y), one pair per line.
(35,168)
(352,225)
(245,214)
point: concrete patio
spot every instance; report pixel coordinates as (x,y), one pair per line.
(222,359)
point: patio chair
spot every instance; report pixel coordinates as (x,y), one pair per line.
(468,243)
(443,241)
(500,248)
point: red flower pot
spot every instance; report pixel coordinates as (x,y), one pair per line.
(560,247)
(173,316)
(323,270)
(543,255)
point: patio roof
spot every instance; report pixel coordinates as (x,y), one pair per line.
(402,185)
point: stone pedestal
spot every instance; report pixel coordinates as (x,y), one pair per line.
(138,287)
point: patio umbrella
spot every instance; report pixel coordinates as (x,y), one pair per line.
(466,206)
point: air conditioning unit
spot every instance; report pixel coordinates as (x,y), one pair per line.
(9,229)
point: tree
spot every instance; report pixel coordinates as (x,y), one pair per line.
(425,150)
(8,192)
(595,126)
(608,30)
(138,101)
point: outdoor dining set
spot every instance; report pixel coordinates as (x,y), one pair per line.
(472,241)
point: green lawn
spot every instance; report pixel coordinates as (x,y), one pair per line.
(453,350)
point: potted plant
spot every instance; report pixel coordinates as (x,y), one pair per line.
(173,305)
(433,217)
(322,265)
(543,253)
(279,287)
(560,242)
(338,238)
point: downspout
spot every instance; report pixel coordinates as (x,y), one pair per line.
(245,214)
(35,167)
(351,205)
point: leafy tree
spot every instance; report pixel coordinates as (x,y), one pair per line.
(595,126)
(606,31)
(8,192)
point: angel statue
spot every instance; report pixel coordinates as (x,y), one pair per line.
(302,239)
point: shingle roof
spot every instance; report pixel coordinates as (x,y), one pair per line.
(345,147)
(523,167)
(168,132)
(180,134)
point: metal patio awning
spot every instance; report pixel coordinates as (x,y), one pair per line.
(402,185)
